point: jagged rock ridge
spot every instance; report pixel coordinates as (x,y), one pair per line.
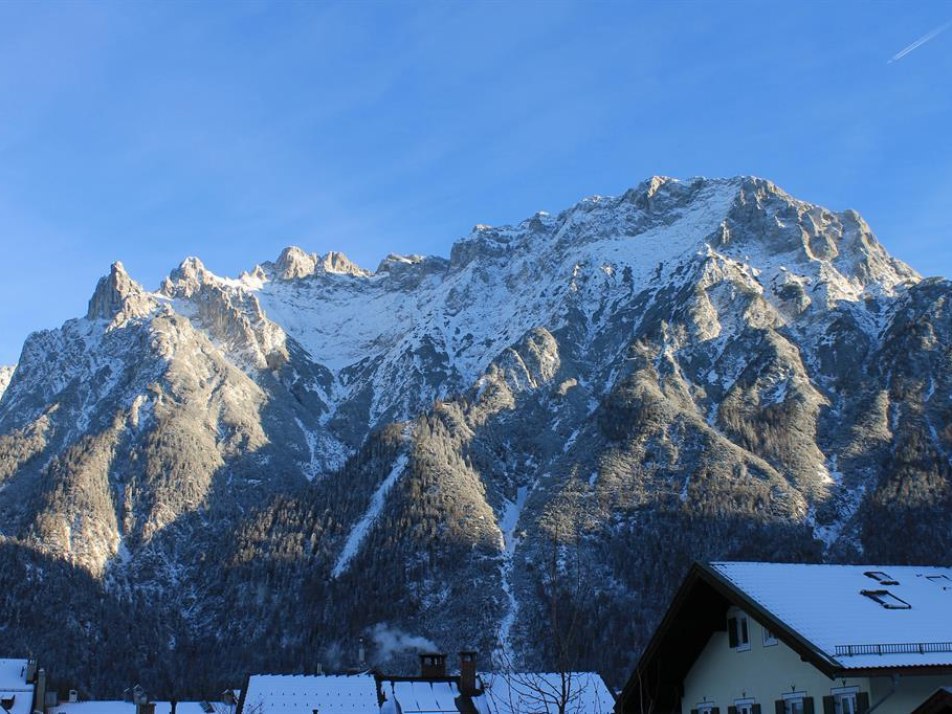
(566,411)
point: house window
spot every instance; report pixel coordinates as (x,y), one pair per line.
(880,577)
(705,708)
(770,639)
(844,703)
(795,703)
(744,706)
(886,599)
(738,632)
(846,700)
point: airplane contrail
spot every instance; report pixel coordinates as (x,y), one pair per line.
(931,35)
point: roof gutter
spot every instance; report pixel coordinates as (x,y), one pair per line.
(895,686)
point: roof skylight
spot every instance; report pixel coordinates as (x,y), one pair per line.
(886,599)
(880,577)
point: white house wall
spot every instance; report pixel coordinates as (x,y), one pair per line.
(910,692)
(722,675)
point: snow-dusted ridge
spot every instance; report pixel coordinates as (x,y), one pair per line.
(501,282)
(342,314)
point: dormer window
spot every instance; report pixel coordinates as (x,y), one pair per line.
(880,577)
(886,599)
(738,632)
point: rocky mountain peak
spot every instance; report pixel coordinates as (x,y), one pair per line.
(187,278)
(336,262)
(118,295)
(295,263)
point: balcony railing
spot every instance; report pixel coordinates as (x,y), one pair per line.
(898,648)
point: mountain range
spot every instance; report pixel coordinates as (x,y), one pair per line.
(519,448)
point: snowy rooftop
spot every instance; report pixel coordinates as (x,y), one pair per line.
(423,696)
(902,621)
(302,694)
(122,707)
(582,693)
(13,685)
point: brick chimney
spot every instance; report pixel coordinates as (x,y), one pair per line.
(432,664)
(467,673)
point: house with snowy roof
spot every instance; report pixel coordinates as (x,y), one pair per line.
(434,691)
(306,694)
(123,707)
(139,702)
(746,638)
(21,686)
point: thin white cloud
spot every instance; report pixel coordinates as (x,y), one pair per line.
(931,35)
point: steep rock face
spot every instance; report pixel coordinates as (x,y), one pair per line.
(565,413)
(6,374)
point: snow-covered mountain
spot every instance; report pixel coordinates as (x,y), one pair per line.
(564,413)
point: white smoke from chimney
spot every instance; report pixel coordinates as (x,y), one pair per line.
(390,641)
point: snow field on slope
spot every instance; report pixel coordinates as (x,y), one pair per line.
(362,527)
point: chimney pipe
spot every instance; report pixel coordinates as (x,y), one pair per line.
(467,672)
(432,664)
(40,697)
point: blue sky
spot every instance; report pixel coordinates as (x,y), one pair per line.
(148,132)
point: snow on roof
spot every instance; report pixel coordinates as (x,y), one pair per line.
(302,694)
(123,707)
(13,685)
(13,674)
(422,696)
(824,604)
(513,693)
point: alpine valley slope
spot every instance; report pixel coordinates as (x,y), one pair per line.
(520,448)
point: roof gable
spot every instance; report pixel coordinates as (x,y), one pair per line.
(819,611)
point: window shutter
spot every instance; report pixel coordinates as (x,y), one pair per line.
(744,636)
(808,705)
(694,711)
(778,707)
(731,710)
(862,702)
(732,632)
(829,706)
(755,709)
(716,710)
